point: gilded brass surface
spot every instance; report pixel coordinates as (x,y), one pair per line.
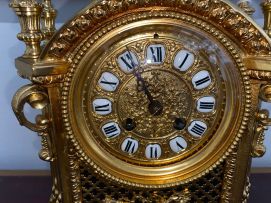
(178,172)
(233,48)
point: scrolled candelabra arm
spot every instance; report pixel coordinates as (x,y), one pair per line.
(245,5)
(48,17)
(36,96)
(266,6)
(262,123)
(29,14)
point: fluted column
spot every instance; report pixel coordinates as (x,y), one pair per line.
(266,6)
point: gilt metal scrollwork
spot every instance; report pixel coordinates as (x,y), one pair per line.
(263,121)
(36,96)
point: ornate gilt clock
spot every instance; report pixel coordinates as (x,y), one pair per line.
(146,100)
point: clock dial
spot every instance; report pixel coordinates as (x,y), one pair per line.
(154,94)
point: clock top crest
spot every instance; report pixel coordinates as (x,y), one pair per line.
(146,100)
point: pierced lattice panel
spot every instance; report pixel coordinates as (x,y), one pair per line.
(206,189)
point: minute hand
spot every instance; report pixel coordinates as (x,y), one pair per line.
(140,81)
(155,107)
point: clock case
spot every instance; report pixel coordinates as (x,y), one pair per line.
(50,68)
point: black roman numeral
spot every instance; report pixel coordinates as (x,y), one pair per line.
(156,54)
(179,145)
(198,129)
(112,84)
(184,60)
(153,152)
(130,147)
(206,105)
(111,131)
(128,61)
(102,108)
(203,80)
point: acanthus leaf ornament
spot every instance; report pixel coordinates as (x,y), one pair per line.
(219,12)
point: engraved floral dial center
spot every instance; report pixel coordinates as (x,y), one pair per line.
(171,98)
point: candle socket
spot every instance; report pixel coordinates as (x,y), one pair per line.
(29,14)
